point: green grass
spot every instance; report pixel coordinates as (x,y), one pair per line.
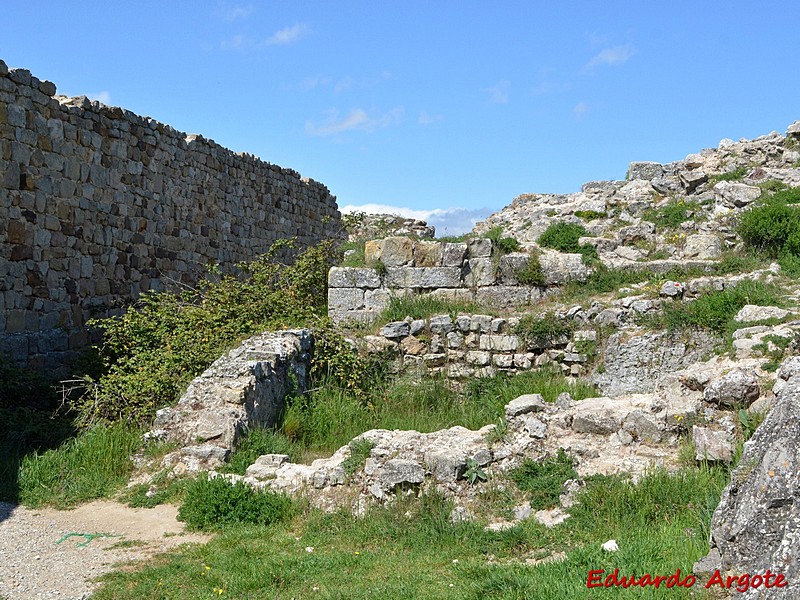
(672,214)
(542,331)
(422,307)
(735,175)
(356,258)
(92,465)
(412,550)
(715,310)
(543,481)
(323,421)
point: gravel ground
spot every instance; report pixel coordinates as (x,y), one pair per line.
(36,561)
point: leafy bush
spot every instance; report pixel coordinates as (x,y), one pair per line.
(672,214)
(504,245)
(544,480)
(590,215)
(531,273)
(152,351)
(772,227)
(216,503)
(541,331)
(563,236)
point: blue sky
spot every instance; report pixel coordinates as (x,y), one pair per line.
(447,109)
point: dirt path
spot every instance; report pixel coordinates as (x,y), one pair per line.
(36,561)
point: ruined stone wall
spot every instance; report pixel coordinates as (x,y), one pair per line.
(98,204)
(473,271)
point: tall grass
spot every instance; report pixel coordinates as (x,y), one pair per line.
(91,465)
(422,307)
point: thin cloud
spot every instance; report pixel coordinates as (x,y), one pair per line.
(289,35)
(237,42)
(618,55)
(498,93)
(102,97)
(427,119)
(580,109)
(231,12)
(447,221)
(356,120)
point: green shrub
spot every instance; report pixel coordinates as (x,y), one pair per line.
(563,236)
(152,351)
(216,503)
(541,331)
(544,481)
(504,245)
(531,273)
(772,227)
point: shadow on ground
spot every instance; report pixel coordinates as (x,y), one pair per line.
(28,424)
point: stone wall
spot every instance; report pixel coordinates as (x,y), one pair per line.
(98,204)
(473,271)
(482,345)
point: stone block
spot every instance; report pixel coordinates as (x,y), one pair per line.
(432,277)
(428,254)
(503,296)
(376,300)
(345,299)
(344,277)
(479,272)
(499,343)
(479,248)
(453,254)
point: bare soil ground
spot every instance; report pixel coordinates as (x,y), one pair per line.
(37,560)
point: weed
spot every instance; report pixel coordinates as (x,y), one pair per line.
(736,175)
(212,504)
(474,472)
(359,453)
(423,306)
(503,245)
(544,481)
(254,443)
(672,214)
(91,465)
(590,215)
(531,273)
(544,331)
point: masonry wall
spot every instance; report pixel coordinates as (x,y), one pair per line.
(98,204)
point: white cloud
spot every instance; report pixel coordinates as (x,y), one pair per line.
(289,35)
(498,93)
(343,84)
(357,119)
(102,97)
(448,221)
(426,119)
(231,12)
(617,55)
(237,42)
(580,109)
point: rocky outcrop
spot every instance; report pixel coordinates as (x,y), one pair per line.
(636,361)
(376,226)
(245,388)
(757,523)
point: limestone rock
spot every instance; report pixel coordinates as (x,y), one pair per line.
(751,313)
(702,245)
(757,522)
(525,404)
(738,387)
(559,268)
(712,445)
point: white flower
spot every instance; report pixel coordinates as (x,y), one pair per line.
(309,548)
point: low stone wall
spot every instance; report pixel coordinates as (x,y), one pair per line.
(472,271)
(479,346)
